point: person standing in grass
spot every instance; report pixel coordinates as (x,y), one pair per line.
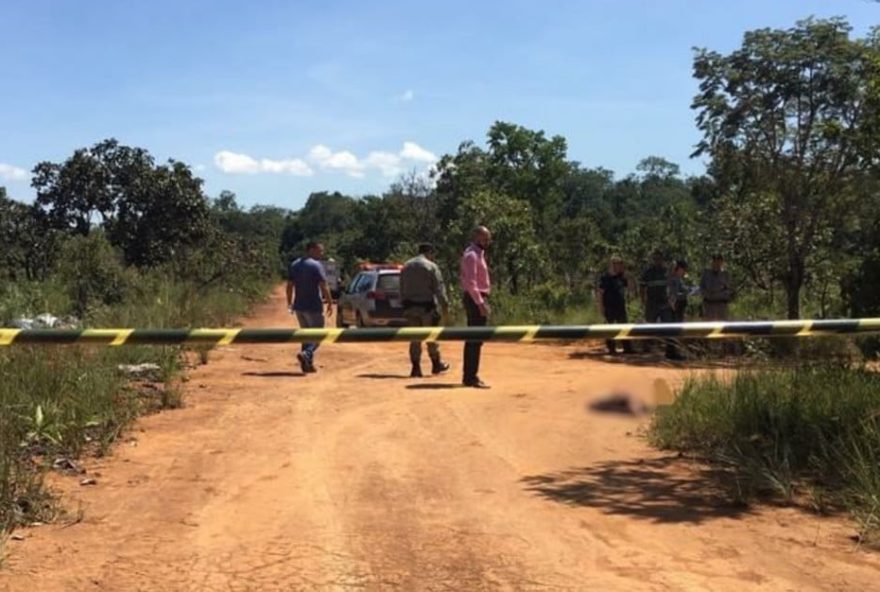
(308,281)
(716,290)
(474,277)
(653,287)
(611,296)
(678,291)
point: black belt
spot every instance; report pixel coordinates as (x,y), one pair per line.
(707,301)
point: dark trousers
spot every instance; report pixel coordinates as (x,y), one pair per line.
(674,315)
(472,348)
(617,314)
(655,312)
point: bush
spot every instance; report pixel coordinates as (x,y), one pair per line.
(543,304)
(28,299)
(93,272)
(784,432)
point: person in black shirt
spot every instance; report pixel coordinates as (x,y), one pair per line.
(654,290)
(678,301)
(611,296)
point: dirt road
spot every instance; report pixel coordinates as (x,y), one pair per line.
(358,478)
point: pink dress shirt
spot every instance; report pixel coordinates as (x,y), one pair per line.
(474,274)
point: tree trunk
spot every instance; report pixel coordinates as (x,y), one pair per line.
(793,284)
(514,277)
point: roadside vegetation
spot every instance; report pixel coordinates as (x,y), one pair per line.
(808,435)
(185,261)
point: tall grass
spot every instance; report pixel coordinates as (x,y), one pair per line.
(57,400)
(791,433)
(540,305)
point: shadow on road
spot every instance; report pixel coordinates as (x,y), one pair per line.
(655,360)
(274,374)
(378,376)
(659,490)
(434,386)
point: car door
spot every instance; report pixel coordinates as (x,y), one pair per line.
(387,300)
(347,302)
(362,304)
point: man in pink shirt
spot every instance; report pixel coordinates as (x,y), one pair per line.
(476,286)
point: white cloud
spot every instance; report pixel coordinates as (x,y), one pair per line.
(407,96)
(200,168)
(412,151)
(236,164)
(389,164)
(343,161)
(242,164)
(292,166)
(12,173)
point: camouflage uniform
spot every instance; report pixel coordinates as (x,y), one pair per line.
(422,290)
(715,287)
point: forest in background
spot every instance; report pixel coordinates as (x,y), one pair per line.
(790,127)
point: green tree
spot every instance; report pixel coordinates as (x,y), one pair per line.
(526,164)
(87,187)
(414,194)
(791,117)
(27,243)
(93,272)
(159,214)
(516,255)
(518,162)
(459,177)
(148,211)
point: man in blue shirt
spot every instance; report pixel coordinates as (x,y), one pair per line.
(309,282)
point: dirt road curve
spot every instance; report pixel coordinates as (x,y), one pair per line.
(359,479)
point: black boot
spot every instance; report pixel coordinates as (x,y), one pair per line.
(439,367)
(416,371)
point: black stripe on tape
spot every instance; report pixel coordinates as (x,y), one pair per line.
(158,336)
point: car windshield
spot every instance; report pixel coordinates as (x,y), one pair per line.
(389,282)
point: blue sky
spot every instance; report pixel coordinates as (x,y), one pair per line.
(274,100)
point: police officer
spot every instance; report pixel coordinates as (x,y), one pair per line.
(425,305)
(678,291)
(654,289)
(611,296)
(716,289)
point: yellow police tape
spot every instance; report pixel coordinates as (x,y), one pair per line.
(512,333)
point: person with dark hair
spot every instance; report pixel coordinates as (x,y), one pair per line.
(653,288)
(475,283)
(308,281)
(425,305)
(611,295)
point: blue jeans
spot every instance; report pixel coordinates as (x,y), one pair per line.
(310,319)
